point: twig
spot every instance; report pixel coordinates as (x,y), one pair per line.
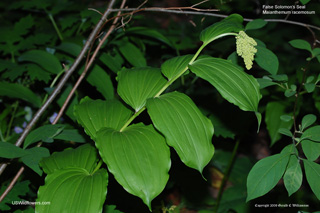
(88,64)
(170,10)
(62,81)
(14,180)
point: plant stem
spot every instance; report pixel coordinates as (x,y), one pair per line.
(15,106)
(97,167)
(55,26)
(132,118)
(52,85)
(226,176)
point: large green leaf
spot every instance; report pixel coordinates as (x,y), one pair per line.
(265,174)
(274,110)
(311,149)
(138,157)
(102,81)
(232,83)
(95,114)
(46,60)
(138,84)
(312,170)
(293,176)
(12,90)
(186,129)
(132,54)
(84,157)
(73,190)
(232,23)
(175,66)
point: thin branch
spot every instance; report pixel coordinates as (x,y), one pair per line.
(14,180)
(170,10)
(62,81)
(88,65)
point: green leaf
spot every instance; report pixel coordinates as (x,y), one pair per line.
(132,54)
(313,134)
(23,26)
(138,157)
(138,84)
(44,59)
(233,84)
(300,44)
(33,157)
(232,23)
(84,157)
(285,131)
(255,24)
(304,1)
(70,48)
(95,114)
(265,82)
(312,171)
(186,129)
(144,31)
(44,133)
(274,110)
(220,128)
(310,87)
(293,176)
(19,189)
(37,73)
(286,118)
(114,63)
(307,121)
(175,66)
(13,90)
(70,135)
(8,150)
(267,60)
(98,78)
(265,175)
(86,192)
(311,149)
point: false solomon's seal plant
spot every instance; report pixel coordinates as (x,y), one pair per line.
(137,154)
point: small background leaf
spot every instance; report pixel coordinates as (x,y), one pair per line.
(132,54)
(33,157)
(307,121)
(300,44)
(313,133)
(255,24)
(46,60)
(8,150)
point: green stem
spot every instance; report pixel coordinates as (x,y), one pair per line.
(80,26)
(97,167)
(12,57)
(55,26)
(52,85)
(226,176)
(15,106)
(132,118)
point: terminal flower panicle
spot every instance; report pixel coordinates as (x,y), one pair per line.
(246,48)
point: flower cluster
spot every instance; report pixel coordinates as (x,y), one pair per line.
(245,48)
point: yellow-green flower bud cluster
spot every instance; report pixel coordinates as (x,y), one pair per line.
(245,48)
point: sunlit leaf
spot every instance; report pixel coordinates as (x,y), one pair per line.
(312,171)
(233,84)
(265,174)
(137,85)
(232,23)
(86,192)
(138,157)
(175,66)
(95,114)
(44,59)
(13,90)
(186,129)
(84,157)
(293,176)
